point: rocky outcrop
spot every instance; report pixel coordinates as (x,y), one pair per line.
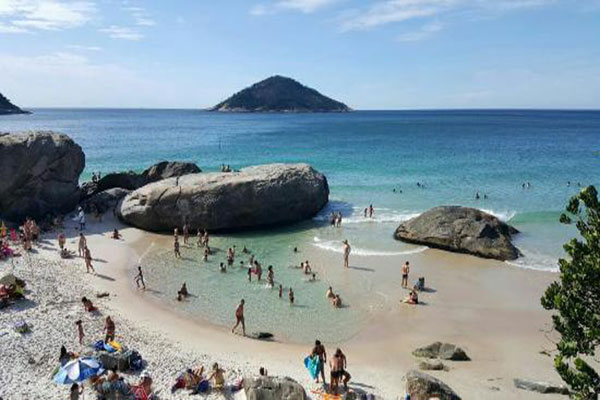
(540,387)
(104,201)
(169,169)
(280,94)
(431,366)
(39,175)
(6,107)
(422,386)
(461,230)
(131,180)
(253,197)
(273,388)
(443,351)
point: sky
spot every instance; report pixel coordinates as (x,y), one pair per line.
(370,54)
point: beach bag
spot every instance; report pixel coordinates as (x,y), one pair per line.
(99,345)
(135,360)
(116,361)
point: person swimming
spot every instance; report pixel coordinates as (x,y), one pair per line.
(330,293)
(270,276)
(291,296)
(222,267)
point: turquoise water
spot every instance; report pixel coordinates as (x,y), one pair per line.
(365,155)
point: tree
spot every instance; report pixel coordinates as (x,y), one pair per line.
(576,297)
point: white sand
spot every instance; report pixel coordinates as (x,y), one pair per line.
(490,309)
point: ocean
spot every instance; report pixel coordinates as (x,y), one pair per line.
(402,162)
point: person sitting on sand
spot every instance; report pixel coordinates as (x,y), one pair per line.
(270,276)
(116,235)
(190,379)
(88,305)
(217,377)
(65,254)
(412,298)
(336,301)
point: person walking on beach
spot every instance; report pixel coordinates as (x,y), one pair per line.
(347,250)
(176,248)
(239,318)
(80,333)
(405,271)
(82,244)
(88,260)
(338,371)
(109,328)
(319,351)
(139,278)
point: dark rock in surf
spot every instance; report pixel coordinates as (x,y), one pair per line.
(461,230)
(254,197)
(39,175)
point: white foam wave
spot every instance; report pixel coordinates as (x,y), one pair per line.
(535,261)
(381,216)
(501,215)
(338,247)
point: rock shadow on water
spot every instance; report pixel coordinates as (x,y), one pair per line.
(361,268)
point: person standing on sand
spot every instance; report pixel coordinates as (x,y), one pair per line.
(176,248)
(239,318)
(82,245)
(280,290)
(338,371)
(81,219)
(405,271)
(347,250)
(186,234)
(291,296)
(109,327)
(319,351)
(139,278)
(258,270)
(249,274)
(88,260)
(62,240)
(80,333)
(199,238)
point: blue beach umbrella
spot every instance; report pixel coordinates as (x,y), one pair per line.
(78,370)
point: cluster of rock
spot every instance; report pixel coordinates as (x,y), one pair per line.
(461,230)
(272,387)
(39,175)
(6,107)
(442,351)
(422,386)
(257,196)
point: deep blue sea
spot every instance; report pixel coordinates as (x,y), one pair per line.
(365,156)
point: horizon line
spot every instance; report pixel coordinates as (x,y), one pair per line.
(283,112)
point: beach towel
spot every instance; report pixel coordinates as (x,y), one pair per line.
(313,366)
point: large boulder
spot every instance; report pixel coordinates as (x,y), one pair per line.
(253,197)
(104,201)
(444,351)
(461,230)
(273,388)
(540,386)
(39,175)
(422,386)
(169,169)
(125,180)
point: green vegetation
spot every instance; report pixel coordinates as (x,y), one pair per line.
(576,297)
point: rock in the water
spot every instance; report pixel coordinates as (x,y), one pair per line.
(39,175)
(540,387)
(444,351)
(422,386)
(273,388)
(462,230)
(254,197)
(431,366)
(170,169)
(124,180)
(106,200)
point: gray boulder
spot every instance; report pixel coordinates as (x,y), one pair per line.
(540,387)
(124,180)
(444,351)
(39,175)
(431,366)
(422,386)
(169,169)
(106,200)
(253,197)
(461,230)
(273,388)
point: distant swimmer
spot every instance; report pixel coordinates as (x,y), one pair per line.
(280,290)
(347,250)
(258,270)
(366,211)
(336,301)
(222,267)
(291,296)
(206,253)
(313,278)
(295,249)
(245,250)
(183,292)
(568,183)
(270,276)
(330,293)
(176,248)
(249,274)
(371,210)
(477,196)
(307,268)
(485,196)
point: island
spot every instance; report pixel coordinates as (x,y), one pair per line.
(6,107)
(280,94)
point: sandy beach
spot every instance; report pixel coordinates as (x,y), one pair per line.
(487,307)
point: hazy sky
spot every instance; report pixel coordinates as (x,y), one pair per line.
(370,54)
